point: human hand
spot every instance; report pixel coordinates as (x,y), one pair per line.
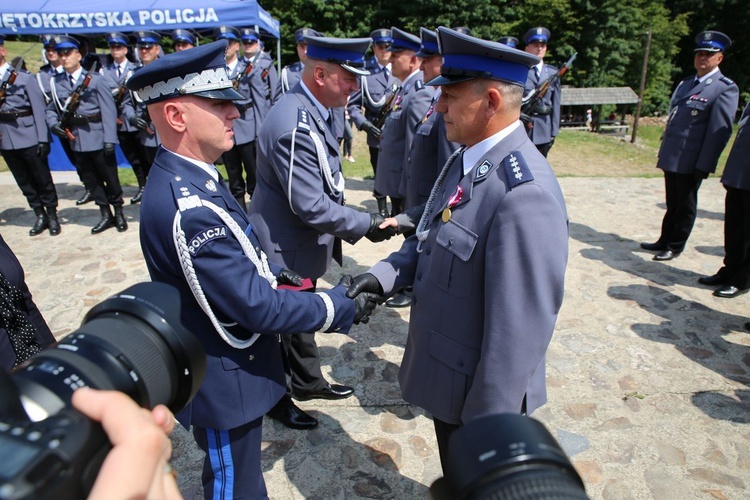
(364,283)
(364,302)
(109,150)
(371,129)
(137,465)
(288,277)
(377,233)
(42,150)
(59,131)
(138,122)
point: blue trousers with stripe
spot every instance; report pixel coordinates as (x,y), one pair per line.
(232,466)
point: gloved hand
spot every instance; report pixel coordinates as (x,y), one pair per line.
(371,129)
(138,122)
(699,174)
(552,142)
(375,234)
(42,150)
(364,303)
(59,131)
(288,277)
(109,150)
(364,283)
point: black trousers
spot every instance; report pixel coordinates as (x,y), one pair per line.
(736,270)
(32,175)
(544,148)
(374,153)
(682,206)
(443,431)
(234,159)
(99,174)
(302,364)
(130,143)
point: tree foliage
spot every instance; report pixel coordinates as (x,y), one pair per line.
(609,35)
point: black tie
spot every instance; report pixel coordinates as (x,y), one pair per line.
(119,72)
(695,83)
(329,120)
(72,81)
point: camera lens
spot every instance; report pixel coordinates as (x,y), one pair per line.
(510,457)
(132,342)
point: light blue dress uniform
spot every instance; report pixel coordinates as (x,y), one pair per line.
(189,218)
(546,118)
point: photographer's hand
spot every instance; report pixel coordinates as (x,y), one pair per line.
(137,465)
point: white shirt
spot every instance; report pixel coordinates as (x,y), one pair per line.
(322,109)
(475,153)
(206,167)
(707,75)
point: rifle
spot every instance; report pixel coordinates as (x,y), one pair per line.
(10,80)
(74,100)
(387,107)
(240,75)
(533,98)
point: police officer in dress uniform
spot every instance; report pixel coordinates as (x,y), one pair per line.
(24,143)
(545,121)
(117,71)
(700,123)
(298,207)
(183,40)
(734,277)
(411,104)
(196,238)
(252,48)
(93,128)
(291,74)
(488,260)
(365,104)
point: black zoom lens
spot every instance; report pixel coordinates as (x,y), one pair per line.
(509,457)
(132,342)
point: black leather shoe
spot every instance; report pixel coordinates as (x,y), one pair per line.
(87,197)
(727,291)
(291,416)
(747,326)
(137,197)
(42,222)
(399,300)
(330,391)
(654,247)
(120,222)
(714,280)
(665,255)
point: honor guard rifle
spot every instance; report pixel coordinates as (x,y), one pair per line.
(10,80)
(74,100)
(241,74)
(533,98)
(387,107)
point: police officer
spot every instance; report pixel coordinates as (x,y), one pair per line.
(411,104)
(117,70)
(24,142)
(183,40)
(545,121)
(252,48)
(365,105)
(298,207)
(291,74)
(488,260)
(196,238)
(734,277)
(148,46)
(92,130)
(701,113)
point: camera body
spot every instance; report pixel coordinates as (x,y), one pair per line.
(133,343)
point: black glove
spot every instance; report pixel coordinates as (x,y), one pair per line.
(551,142)
(59,131)
(364,303)
(42,150)
(364,283)
(109,150)
(375,234)
(700,174)
(288,277)
(138,122)
(371,129)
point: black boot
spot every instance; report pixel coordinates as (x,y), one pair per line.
(87,197)
(382,206)
(42,222)
(120,221)
(137,197)
(54,224)
(397,206)
(106,221)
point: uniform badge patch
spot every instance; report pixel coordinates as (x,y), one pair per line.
(211,185)
(204,237)
(516,169)
(483,170)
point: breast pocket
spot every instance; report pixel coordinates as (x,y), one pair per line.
(450,267)
(696,105)
(425,128)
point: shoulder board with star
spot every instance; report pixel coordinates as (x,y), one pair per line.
(517,170)
(303,118)
(726,80)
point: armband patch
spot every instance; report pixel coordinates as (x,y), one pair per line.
(516,169)
(204,237)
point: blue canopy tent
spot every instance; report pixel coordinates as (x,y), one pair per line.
(39,17)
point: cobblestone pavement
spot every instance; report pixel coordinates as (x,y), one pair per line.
(648,373)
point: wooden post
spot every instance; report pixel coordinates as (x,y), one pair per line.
(642,87)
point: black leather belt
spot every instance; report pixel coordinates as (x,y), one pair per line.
(84,119)
(11,116)
(542,110)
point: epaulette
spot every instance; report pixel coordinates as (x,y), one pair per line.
(517,170)
(418,85)
(303,118)
(726,80)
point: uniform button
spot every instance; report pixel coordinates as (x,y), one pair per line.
(251,357)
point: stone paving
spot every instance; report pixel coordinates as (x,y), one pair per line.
(648,373)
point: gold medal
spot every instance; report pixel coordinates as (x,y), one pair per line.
(446,215)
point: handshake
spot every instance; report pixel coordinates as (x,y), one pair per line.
(377,232)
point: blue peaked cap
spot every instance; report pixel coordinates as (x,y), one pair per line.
(429,46)
(181,35)
(403,41)
(537,34)
(712,41)
(466,58)
(508,40)
(348,52)
(62,42)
